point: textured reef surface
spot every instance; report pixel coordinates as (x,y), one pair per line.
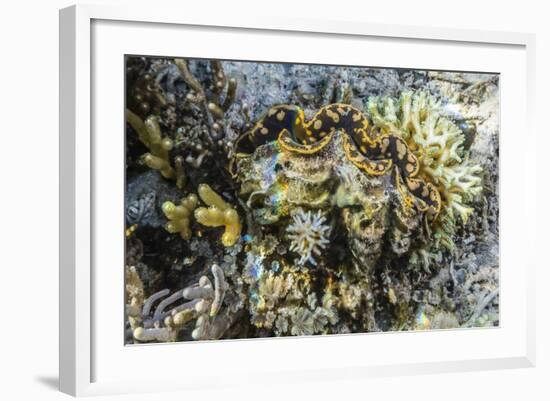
(271,200)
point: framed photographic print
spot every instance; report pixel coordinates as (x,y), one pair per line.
(230,190)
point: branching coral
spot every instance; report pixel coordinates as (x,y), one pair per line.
(308,235)
(150,135)
(219,213)
(439,145)
(180,216)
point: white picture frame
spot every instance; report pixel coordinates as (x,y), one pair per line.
(81,213)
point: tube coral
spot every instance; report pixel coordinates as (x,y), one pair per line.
(219,213)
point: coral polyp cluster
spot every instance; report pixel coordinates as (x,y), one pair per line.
(288,200)
(308,234)
(439,145)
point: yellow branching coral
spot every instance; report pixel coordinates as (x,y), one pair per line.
(438,144)
(158,157)
(218,213)
(180,216)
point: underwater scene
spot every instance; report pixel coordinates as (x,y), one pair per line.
(276,199)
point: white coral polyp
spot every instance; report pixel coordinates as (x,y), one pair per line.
(308,235)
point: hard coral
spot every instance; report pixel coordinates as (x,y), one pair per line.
(219,213)
(150,135)
(439,146)
(180,216)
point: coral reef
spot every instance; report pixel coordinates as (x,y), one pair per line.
(307,200)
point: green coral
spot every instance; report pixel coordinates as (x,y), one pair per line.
(439,145)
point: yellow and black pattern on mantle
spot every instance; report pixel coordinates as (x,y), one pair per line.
(373,153)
